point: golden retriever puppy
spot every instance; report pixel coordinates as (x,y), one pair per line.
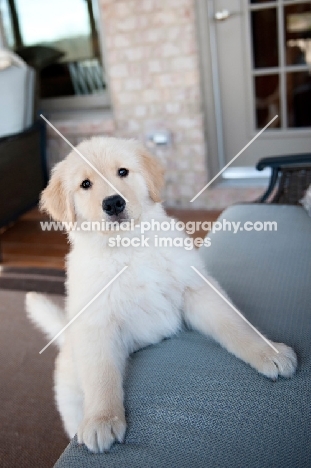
(149,301)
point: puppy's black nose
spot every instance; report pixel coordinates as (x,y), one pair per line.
(114,205)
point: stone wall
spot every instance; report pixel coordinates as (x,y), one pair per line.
(75,130)
(153,65)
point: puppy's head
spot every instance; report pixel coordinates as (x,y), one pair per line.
(121,182)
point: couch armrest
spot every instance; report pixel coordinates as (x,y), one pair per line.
(290,178)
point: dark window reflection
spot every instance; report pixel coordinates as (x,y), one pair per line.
(265,38)
(297,24)
(260,1)
(267,100)
(299,99)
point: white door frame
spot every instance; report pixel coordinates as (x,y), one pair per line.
(211,95)
(210,90)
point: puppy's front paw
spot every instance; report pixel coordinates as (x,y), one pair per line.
(99,432)
(273,364)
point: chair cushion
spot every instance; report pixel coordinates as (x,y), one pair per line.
(189,403)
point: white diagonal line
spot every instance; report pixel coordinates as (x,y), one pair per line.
(84,308)
(83,157)
(235,309)
(233,159)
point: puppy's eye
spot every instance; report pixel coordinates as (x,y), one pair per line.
(122,172)
(86,184)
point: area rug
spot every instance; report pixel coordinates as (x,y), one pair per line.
(45,280)
(31,434)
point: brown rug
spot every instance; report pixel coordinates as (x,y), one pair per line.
(44,280)
(31,433)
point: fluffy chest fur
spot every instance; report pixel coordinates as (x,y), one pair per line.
(145,301)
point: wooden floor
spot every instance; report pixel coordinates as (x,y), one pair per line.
(24,244)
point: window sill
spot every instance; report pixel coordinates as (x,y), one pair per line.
(90,122)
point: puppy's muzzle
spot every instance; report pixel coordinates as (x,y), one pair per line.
(114,205)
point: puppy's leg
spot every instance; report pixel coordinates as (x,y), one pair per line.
(207,312)
(68,394)
(100,361)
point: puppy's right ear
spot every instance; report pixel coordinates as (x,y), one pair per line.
(55,198)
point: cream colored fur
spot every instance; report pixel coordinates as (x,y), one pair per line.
(148,302)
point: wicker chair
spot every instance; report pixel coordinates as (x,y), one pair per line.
(290,178)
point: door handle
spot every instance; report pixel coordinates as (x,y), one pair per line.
(223,15)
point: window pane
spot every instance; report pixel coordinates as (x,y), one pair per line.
(299,99)
(55,22)
(59,38)
(261,1)
(297,19)
(267,101)
(264,38)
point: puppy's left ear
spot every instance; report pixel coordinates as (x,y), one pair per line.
(153,174)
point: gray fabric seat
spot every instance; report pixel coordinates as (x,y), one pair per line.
(189,403)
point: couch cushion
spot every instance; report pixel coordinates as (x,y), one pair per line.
(189,403)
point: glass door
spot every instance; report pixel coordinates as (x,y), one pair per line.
(281,51)
(263,59)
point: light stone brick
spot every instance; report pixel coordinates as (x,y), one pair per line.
(167,81)
(136,69)
(168,50)
(121,40)
(116,85)
(118,71)
(191,78)
(179,3)
(196,135)
(173,33)
(104,3)
(153,36)
(164,17)
(134,54)
(186,122)
(133,84)
(184,164)
(173,107)
(109,42)
(151,95)
(154,66)
(133,126)
(124,99)
(127,24)
(149,5)
(178,94)
(140,111)
(144,21)
(184,63)
(185,13)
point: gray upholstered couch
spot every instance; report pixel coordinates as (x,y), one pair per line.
(189,403)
